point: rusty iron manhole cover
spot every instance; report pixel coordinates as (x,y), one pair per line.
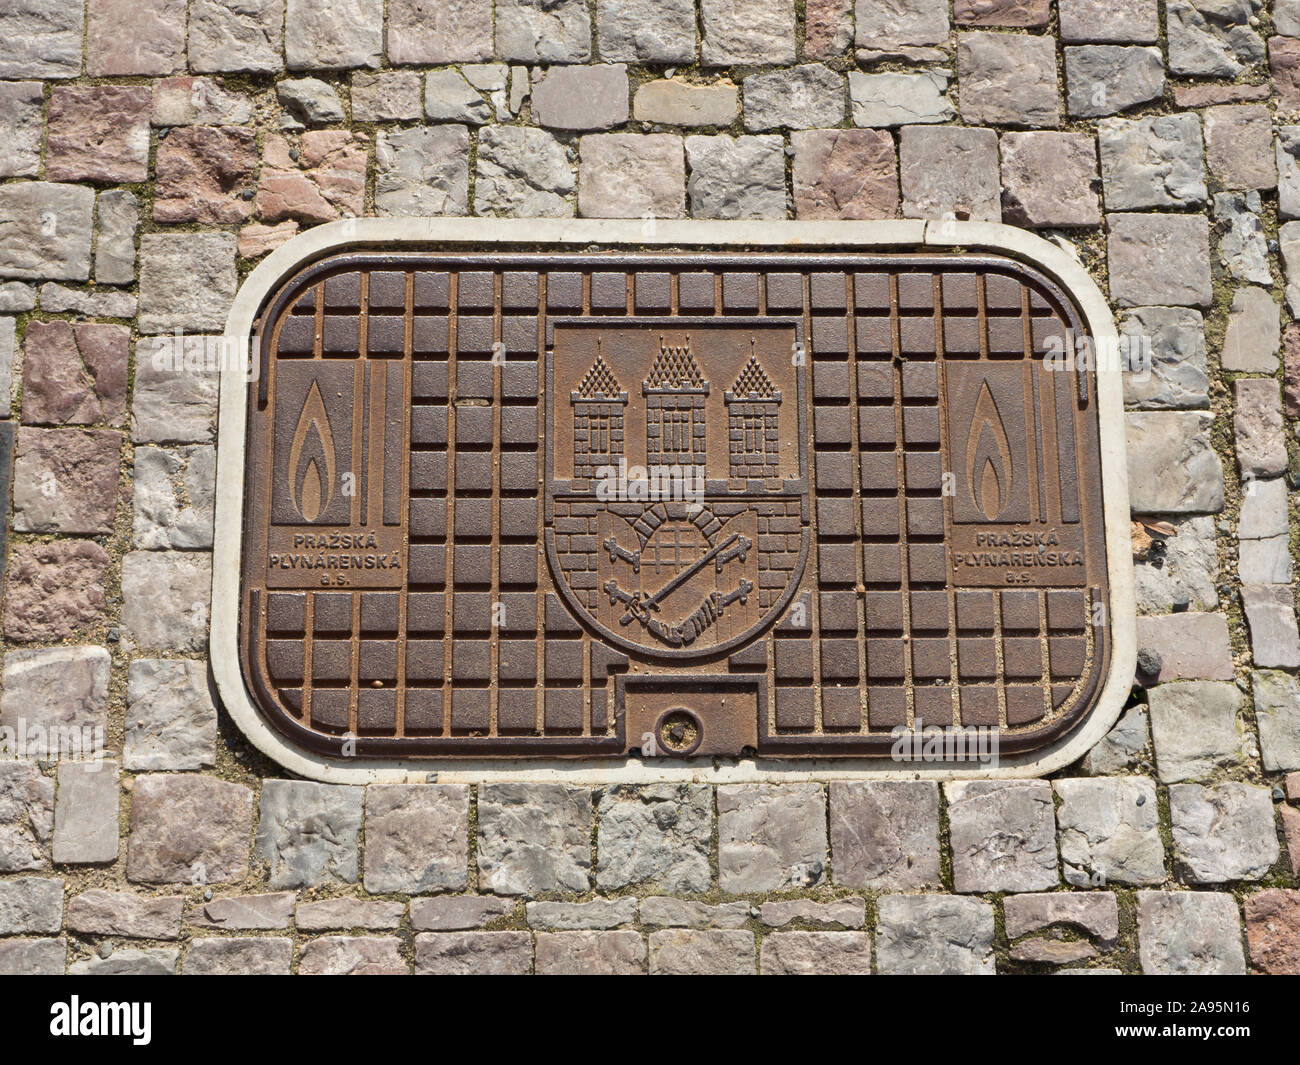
(593,504)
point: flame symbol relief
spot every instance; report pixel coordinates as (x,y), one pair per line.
(311,458)
(988,457)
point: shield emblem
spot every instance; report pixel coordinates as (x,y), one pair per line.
(677,505)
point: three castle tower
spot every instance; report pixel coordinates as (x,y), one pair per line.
(675,393)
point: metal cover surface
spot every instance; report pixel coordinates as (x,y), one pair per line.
(598,504)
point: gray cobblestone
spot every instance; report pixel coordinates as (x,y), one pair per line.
(47,231)
(590,953)
(1195,728)
(149,961)
(1277,715)
(1172,466)
(1288,237)
(332,34)
(582,98)
(165,599)
(15,296)
(1253,334)
(653,31)
(238,36)
(1151,162)
(354,956)
(423,171)
(20,127)
(682,913)
(31,905)
(175,396)
(1287,157)
(310,101)
(1003,835)
(899,99)
(747,31)
(948,171)
(473,953)
(448,97)
(1223,833)
(1211,39)
(171,722)
(26,817)
(1095,913)
(118,215)
(800,97)
(42,39)
(346,915)
(187,281)
(86,813)
(1159,259)
(1122,746)
(582,916)
(846,913)
(106,303)
(1243,249)
(1177,376)
(543,31)
(307,833)
(245,956)
(534,838)
(656,838)
(901,22)
(816,954)
(173,497)
(736,177)
(1105,79)
(451,913)
(1270,613)
(885,834)
(934,934)
(771,837)
(1189,933)
(239,913)
(1110,832)
(417,838)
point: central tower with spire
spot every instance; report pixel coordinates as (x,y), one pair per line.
(675,392)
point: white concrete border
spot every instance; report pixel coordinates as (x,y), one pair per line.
(419,234)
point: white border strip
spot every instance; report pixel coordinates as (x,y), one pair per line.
(479,234)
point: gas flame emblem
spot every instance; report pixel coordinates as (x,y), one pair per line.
(311,458)
(988,458)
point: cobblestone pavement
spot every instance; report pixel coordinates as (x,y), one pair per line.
(151,151)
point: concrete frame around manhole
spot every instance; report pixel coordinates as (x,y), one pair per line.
(560,235)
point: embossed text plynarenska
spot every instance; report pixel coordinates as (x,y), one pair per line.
(707,505)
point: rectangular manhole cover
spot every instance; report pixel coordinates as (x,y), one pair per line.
(513,505)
